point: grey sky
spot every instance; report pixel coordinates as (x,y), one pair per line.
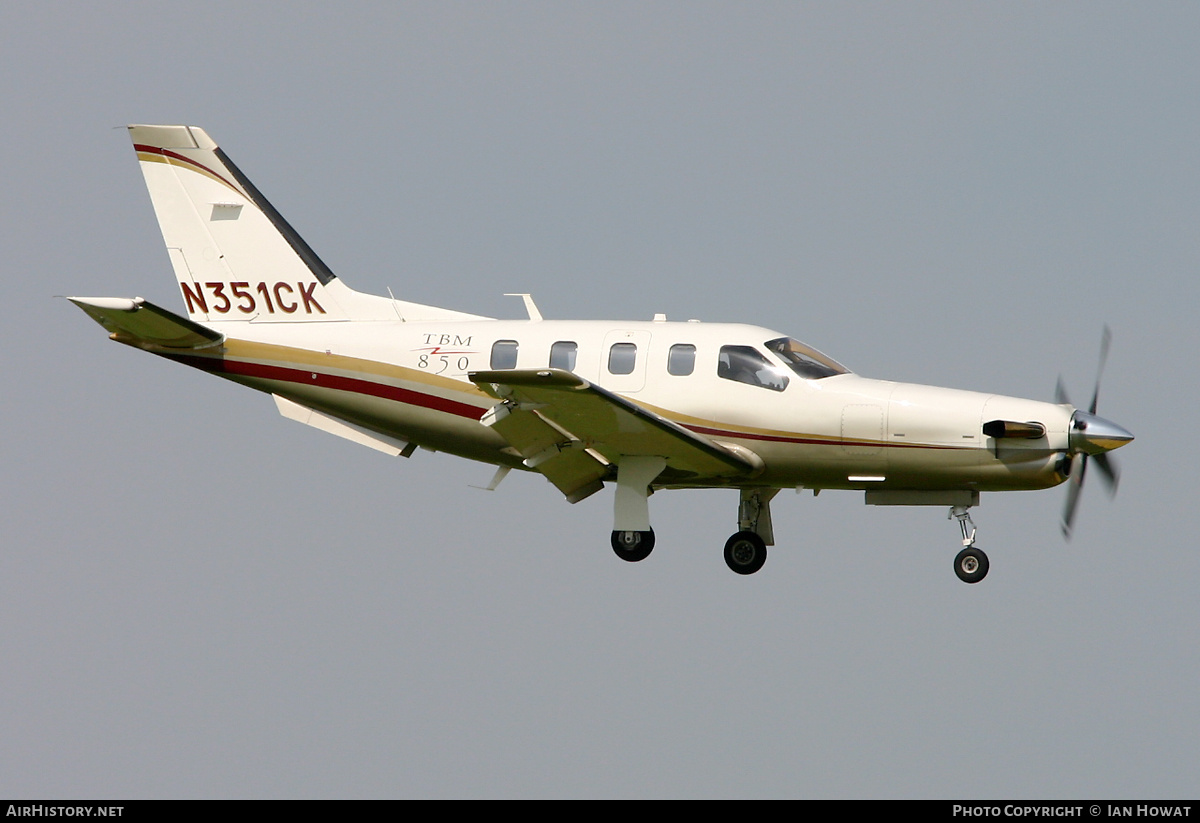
(200,598)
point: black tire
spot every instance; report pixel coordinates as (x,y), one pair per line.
(633,546)
(745,552)
(971,565)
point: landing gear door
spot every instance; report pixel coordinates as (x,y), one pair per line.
(623,361)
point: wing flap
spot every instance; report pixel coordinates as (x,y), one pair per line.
(551,409)
(557,454)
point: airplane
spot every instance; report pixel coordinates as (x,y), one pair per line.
(641,405)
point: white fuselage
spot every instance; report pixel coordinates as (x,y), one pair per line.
(408,380)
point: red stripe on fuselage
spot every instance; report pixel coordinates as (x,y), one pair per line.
(262,371)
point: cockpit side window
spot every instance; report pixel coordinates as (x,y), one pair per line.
(805,360)
(745,364)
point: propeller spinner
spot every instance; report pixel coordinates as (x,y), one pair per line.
(1091,436)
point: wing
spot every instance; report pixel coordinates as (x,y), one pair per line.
(573,431)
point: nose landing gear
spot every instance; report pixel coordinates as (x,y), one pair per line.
(970,564)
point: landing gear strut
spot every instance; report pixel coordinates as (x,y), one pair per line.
(632,537)
(970,564)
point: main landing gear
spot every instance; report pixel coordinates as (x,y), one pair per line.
(633,539)
(746,551)
(970,564)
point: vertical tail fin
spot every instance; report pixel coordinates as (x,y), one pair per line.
(234,255)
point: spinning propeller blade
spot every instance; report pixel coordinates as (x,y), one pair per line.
(1090,436)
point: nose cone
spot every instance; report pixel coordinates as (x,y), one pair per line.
(1095,435)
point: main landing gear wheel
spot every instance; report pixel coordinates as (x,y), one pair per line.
(745,552)
(971,565)
(633,546)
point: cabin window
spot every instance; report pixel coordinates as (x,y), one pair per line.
(681,359)
(622,358)
(745,364)
(504,354)
(562,355)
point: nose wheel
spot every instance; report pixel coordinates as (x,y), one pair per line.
(970,564)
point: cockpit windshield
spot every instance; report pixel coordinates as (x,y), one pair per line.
(805,360)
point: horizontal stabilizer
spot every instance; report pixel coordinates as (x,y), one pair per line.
(139,322)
